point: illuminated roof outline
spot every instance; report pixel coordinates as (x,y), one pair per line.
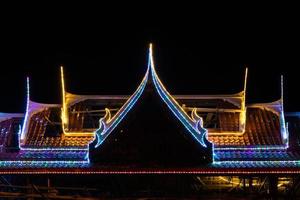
(31,108)
(194,126)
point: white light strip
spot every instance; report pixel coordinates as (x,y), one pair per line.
(101,135)
(25,125)
(173,105)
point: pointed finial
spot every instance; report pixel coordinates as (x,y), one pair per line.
(62,70)
(151,62)
(64,114)
(24,127)
(62,77)
(150,53)
(28,88)
(246,78)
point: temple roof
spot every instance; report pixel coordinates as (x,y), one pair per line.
(152,96)
(194,126)
(164,132)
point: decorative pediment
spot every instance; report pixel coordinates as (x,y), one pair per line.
(149,91)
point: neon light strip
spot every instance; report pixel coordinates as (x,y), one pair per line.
(243,116)
(284,133)
(102,126)
(42,157)
(64,114)
(263,162)
(226,133)
(53,149)
(24,128)
(185,123)
(164,95)
(49,148)
(253,148)
(261,155)
(64,111)
(42,162)
(122,112)
(173,105)
(132,172)
(19,136)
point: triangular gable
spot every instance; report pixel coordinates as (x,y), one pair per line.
(193,126)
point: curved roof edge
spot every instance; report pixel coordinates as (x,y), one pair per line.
(195,127)
(32,108)
(106,125)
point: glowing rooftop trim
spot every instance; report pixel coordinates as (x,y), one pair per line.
(283,125)
(241,162)
(55,148)
(42,163)
(25,127)
(216,170)
(106,127)
(31,108)
(65,114)
(262,147)
(194,127)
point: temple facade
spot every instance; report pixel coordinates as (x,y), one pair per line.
(150,131)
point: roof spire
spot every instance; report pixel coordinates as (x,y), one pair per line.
(24,127)
(243,105)
(64,114)
(245,80)
(151,62)
(197,132)
(284,127)
(28,88)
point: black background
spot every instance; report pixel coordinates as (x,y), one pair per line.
(105,51)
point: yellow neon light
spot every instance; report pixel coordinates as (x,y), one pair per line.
(107,116)
(242,117)
(234,133)
(195,116)
(64,112)
(243,106)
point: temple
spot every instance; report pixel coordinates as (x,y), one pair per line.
(150,131)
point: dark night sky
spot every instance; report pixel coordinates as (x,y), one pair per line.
(102,55)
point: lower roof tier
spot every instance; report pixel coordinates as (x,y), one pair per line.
(218,168)
(262,129)
(257,155)
(44,155)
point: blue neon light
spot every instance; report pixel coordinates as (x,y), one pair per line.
(253,164)
(44,164)
(101,136)
(197,131)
